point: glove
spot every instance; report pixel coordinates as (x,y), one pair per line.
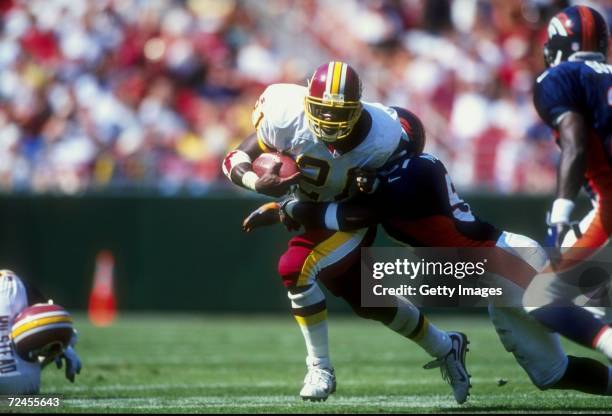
(73,362)
(366,180)
(267,214)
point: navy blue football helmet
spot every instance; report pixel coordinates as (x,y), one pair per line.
(577,32)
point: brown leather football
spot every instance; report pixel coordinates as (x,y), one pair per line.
(266,161)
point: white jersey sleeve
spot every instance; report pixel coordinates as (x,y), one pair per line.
(277,115)
(13,296)
(16,375)
(385,135)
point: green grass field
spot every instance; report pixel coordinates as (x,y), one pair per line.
(191,363)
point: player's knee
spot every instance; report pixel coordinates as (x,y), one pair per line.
(546,375)
(546,382)
(290,267)
(524,247)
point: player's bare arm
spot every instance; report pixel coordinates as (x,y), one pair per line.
(570,172)
(573,155)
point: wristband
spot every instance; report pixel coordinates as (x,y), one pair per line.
(233,159)
(249,179)
(561,210)
(331,217)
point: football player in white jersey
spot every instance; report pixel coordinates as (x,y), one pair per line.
(18,376)
(331,134)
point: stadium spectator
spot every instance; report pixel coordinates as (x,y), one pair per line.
(132,95)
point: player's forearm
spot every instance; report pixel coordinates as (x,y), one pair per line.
(571,172)
(573,156)
(344,216)
(237,164)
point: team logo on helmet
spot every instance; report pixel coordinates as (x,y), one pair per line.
(333,104)
(560,25)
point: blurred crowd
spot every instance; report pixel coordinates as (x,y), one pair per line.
(150,94)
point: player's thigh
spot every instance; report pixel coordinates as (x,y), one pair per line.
(535,348)
(321,254)
(523,247)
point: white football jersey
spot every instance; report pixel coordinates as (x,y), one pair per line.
(16,375)
(281,125)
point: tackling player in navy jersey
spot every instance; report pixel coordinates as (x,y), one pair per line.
(574,97)
(415,201)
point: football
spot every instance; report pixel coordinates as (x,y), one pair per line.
(41,330)
(266,161)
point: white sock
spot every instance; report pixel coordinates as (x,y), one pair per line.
(436,342)
(310,312)
(411,323)
(406,318)
(603,342)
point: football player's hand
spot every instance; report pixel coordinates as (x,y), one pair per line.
(366,180)
(73,363)
(273,185)
(69,355)
(267,214)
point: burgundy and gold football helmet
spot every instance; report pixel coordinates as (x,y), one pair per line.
(333,104)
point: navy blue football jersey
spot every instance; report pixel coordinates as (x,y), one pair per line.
(418,205)
(584,87)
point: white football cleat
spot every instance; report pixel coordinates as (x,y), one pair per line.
(452,366)
(319,383)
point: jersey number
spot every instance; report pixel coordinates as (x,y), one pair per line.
(461,210)
(314,172)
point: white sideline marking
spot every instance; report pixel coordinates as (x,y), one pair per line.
(420,401)
(261,401)
(258,384)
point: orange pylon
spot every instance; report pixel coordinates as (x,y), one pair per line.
(102,303)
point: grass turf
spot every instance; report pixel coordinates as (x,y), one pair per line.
(203,363)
